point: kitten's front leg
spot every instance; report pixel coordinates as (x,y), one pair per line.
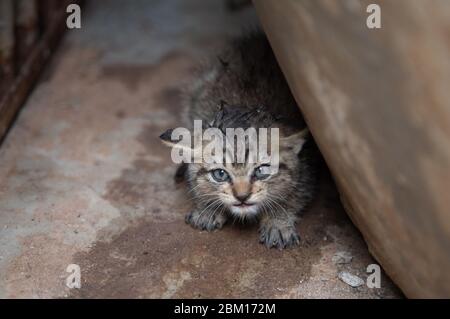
(278,232)
(206,219)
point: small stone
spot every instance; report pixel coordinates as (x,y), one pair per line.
(342,257)
(351,280)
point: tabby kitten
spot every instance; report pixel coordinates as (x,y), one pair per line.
(245,88)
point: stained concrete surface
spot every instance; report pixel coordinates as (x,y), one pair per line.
(85,180)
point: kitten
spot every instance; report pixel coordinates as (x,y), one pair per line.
(246,88)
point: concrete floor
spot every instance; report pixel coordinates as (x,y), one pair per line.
(85,180)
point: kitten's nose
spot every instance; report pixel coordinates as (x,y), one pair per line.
(241,189)
(242,197)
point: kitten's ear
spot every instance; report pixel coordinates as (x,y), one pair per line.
(295,141)
(166,138)
(180,141)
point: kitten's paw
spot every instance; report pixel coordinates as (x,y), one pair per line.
(278,234)
(206,221)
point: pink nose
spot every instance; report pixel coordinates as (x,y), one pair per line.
(242,197)
(241,189)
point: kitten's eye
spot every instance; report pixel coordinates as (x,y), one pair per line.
(220,175)
(262,172)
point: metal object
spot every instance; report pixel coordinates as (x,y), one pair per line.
(29,31)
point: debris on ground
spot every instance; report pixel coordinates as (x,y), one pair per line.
(351,280)
(342,257)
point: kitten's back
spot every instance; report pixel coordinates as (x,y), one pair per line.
(246,75)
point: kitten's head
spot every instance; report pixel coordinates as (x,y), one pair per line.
(250,188)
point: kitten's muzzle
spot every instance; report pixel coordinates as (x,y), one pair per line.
(244,209)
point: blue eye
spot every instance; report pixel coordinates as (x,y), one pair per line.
(220,175)
(262,172)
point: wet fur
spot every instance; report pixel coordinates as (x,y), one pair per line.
(244,87)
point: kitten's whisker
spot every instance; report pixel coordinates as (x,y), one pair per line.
(195,201)
(199,198)
(203,196)
(234,219)
(264,207)
(206,208)
(273,196)
(274,200)
(276,203)
(272,211)
(193,189)
(214,212)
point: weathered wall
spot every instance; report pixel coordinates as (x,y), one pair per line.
(378,104)
(29,32)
